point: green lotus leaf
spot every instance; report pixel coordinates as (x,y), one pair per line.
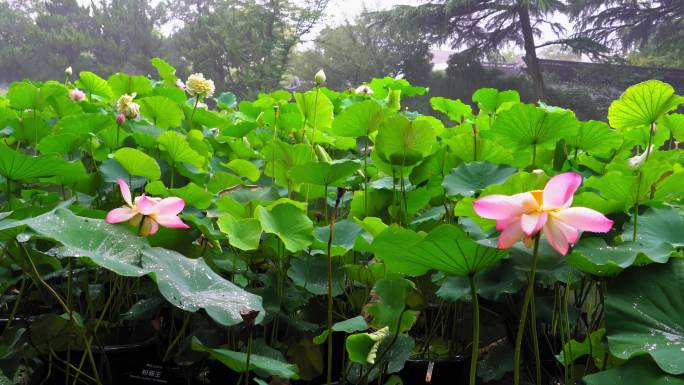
(595,137)
(446,248)
(402,142)
(490,99)
(179,149)
(469,178)
(316,109)
(242,233)
(525,125)
(456,110)
(90,83)
(161,111)
(244,168)
(639,371)
(643,104)
(644,317)
(324,173)
(289,222)
(237,361)
(121,83)
(138,163)
(359,119)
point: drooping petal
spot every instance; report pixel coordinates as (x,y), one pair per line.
(531,223)
(171,221)
(500,207)
(170,206)
(145,205)
(584,219)
(511,234)
(559,190)
(148,227)
(559,235)
(121,214)
(125,191)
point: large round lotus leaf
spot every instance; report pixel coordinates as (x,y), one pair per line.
(469,178)
(643,104)
(644,315)
(640,371)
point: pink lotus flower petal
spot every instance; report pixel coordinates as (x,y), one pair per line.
(149,227)
(145,205)
(584,219)
(170,206)
(125,191)
(500,207)
(510,236)
(121,214)
(560,236)
(171,221)
(559,190)
(532,223)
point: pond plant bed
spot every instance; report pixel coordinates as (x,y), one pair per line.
(154,230)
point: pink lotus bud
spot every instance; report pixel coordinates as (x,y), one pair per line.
(77,95)
(120,119)
(180,84)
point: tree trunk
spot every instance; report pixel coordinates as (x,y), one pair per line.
(530,50)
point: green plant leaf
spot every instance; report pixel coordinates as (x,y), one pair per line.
(643,104)
(525,125)
(237,361)
(244,168)
(190,284)
(389,304)
(401,142)
(16,166)
(594,256)
(288,222)
(226,100)
(359,119)
(490,99)
(194,195)
(595,138)
(639,371)
(310,272)
(179,149)
(470,178)
(90,83)
(446,248)
(675,124)
(316,108)
(121,83)
(138,163)
(161,111)
(363,347)
(463,146)
(643,314)
(593,345)
(242,233)
(165,70)
(456,110)
(324,173)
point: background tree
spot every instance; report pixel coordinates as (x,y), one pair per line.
(245,45)
(485,26)
(353,53)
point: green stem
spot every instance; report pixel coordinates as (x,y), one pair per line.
(474,143)
(9,194)
(523,312)
(313,129)
(192,115)
(535,341)
(249,354)
(365,178)
(333,217)
(17,301)
(476,330)
(534,154)
(179,335)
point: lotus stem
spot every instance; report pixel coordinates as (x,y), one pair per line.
(529,293)
(476,330)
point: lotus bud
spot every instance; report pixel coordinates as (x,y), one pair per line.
(120,119)
(180,84)
(636,161)
(249,317)
(77,95)
(319,78)
(364,89)
(68,71)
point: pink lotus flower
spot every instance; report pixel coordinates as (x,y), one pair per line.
(521,216)
(120,119)
(77,95)
(147,212)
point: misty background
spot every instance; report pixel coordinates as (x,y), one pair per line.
(577,54)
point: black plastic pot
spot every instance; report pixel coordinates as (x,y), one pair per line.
(435,372)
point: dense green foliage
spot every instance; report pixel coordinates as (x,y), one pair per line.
(320,213)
